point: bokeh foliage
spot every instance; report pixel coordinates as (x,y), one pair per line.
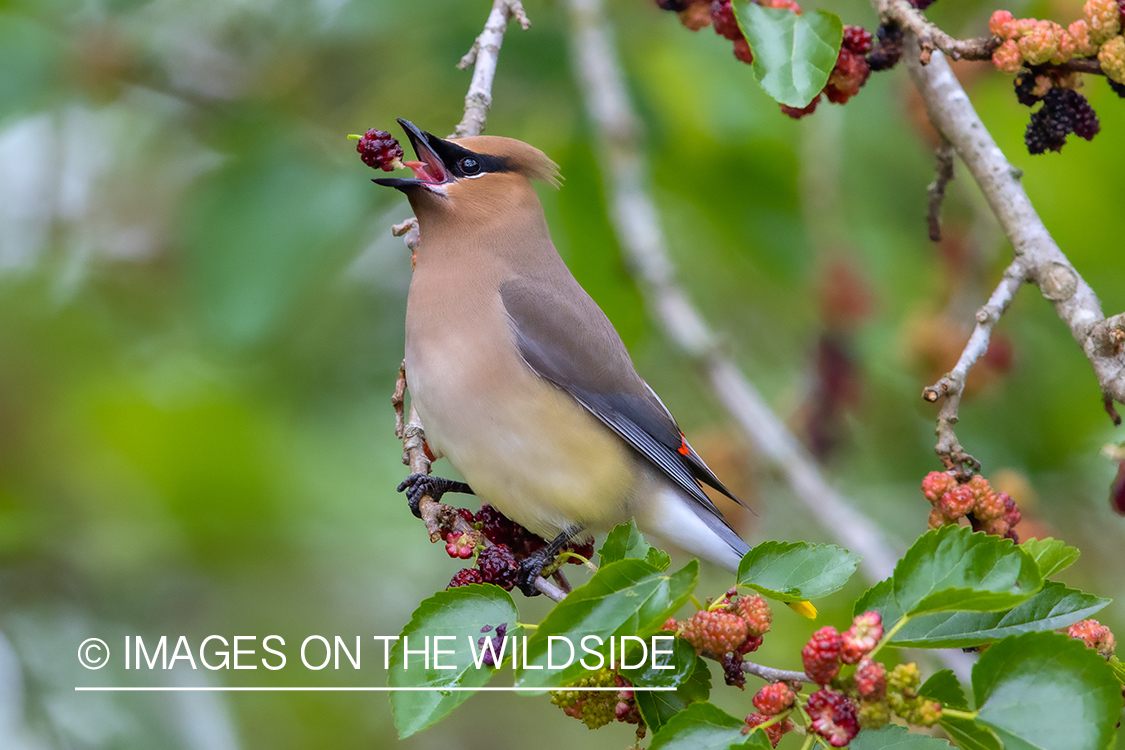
(201,320)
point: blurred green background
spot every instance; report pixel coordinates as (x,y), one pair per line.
(201,314)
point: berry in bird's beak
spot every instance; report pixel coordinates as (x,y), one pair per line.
(380,150)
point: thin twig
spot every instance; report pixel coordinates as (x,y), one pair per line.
(483,57)
(952,384)
(936,190)
(931,38)
(637,226)
(1039,256)
(769,674)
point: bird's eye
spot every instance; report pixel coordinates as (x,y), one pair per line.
(469,165)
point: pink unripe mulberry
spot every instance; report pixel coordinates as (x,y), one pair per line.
(1002,24)
(1083,45)
(1007,58)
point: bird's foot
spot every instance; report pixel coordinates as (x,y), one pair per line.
(532,566)
(417,486)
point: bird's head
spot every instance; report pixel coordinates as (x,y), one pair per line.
(482,170)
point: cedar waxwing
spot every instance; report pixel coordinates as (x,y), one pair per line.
(519,378)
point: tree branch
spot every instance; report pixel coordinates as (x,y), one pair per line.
(952,384)
(484,55)
(1037,256)
(637,226)
(769,674)
(483,58)
(936,190)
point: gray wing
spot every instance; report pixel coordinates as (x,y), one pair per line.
(566,339)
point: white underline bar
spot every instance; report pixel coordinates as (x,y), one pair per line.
(362,689)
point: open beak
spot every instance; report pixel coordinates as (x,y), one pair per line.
(428,171)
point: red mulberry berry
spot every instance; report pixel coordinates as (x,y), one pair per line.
(1094,635)
(871,680)
(714,631)
(936,484)
(459,545)
(498,565)
(774,698)
(380,150)
(847,78)
(495,525)
(858,39)
(722,18)
(742,51)
(958,503)
(861,637)
(821,655)
(797,113)
(833,716)
(774,731)
(756,612)
(464,577)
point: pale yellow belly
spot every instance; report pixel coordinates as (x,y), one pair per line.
(522,444)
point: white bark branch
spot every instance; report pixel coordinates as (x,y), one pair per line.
(483,58)
(637,226)
(1037,254)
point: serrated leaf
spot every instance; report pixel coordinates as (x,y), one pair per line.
(893,737)
(950,569)
(796,571)
(970,735)
(1054,607)
(793,54)
(462,613)
(1051,555)
(625,598)
(658,707)
(1045,691)
(624,541)
(945,688)
(705,726)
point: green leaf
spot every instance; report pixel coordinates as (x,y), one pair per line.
(1118,669)
(793,54)
(658,707)
(893,737)
(796,571)
(1044,691)
(460,613)
(952,568)
(681,661)
(705,726)
(624,541)
(970,735)
(626,598)
(1051,555)
(945,688)
(1054,607)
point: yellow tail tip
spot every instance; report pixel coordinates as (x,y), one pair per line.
(804,609)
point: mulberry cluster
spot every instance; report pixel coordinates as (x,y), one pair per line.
(733,626)
(859,640)
(903,698)
(847,77)
(888,49)
(498,565)
(1064,111)
(1094,635)
(774,698)
(379,149)
(464,577)
(833,716)
(1031,43)
(596,708)
(821,655)
(987,510)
